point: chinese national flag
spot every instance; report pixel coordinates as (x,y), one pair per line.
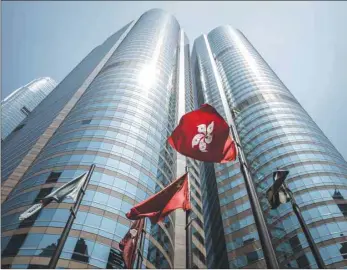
(129,243)
(204,135)
(158,206)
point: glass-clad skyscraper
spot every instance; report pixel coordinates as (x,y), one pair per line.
(275,132)
(116,109)
(185,104)
(18,105)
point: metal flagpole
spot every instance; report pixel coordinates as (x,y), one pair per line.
(264,236)
(140,248)
(188,228)
(73,212)
(313,246)
(188,241)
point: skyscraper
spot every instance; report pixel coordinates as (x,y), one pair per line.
(275,132)
(116,109)
(18,105)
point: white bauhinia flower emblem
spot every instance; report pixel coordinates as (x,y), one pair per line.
(133,233)
(204,136)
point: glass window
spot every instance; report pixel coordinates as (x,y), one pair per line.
(88,197)
(97,263)
(4,241)
(32,240)
(252,256)
(115,260)
(131,189)
(141,194)
(46,214)
(124,167)
(121,230)
(107,179)
(53,177)
(82,250)
(47,245)
(343,250)
(80,220)
(119,183)
(108,225)
(100,198)
(112,163)
(92,223)
(114,203)
(101,252)
(70,244)
(125,207)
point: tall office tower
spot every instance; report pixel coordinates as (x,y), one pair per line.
(18,105)
(275,132)
(116,110)
(197,237)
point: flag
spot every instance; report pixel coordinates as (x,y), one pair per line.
(204,135)
(278,198)
(129,243)
(69,190)
(277,194)
(158,206)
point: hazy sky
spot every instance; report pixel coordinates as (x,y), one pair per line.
(304,42)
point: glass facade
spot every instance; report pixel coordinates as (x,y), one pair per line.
(18,105)
(15,148)
(275,132)
(120,123)
(198,235)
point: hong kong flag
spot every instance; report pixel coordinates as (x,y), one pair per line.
(129,242)
(158,206)
(203,135)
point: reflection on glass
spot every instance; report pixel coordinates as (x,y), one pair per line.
(115,260)
(148,75)
(81,251)
(343,250)
(49,250)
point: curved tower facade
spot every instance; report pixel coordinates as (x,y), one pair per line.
(119,119)
(275,132)
(17,106)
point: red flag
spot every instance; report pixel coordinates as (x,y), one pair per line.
(129,242)
(158,206)
(204,135)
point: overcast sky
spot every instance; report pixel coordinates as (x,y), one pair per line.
(304,42)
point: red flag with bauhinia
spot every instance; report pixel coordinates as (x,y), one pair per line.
(203,135)
(128,244)
(158,206)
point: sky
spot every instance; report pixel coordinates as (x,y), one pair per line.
(305,43)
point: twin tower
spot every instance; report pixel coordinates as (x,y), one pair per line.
(116,109)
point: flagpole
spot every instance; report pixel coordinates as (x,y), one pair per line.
(73,212)
(188,241)
(264,236)
(188,230)
(140,255)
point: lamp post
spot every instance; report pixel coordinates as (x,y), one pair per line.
(280,193)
